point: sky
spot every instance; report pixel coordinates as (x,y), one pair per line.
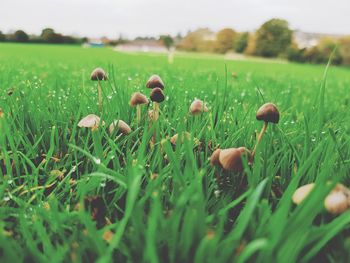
(131,18)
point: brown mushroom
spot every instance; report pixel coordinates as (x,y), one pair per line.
(98,74)
(267,113)
(153,116)
(156,96)
(197,107)
(155,82)
(231,159)
(214,159)
(138,99)
(122,126)
(89,121)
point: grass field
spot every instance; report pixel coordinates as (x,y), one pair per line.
(73,194)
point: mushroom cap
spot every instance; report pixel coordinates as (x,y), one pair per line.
(268,113)
(231,159)
(138,98)
(197,107)
(184,136)
(157,95)
(214,159)
(122,126)
(89,121)
(302,192)
(155,82)
(98,74)
(338,200)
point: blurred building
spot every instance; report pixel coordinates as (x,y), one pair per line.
(142,45)
(306,40)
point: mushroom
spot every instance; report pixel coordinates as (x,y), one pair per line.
(231,159)
(184,136)
(197,107)
(155,82)
(90,121)
(302,192)
(214,159)
(137,99)
(267,113)
(98,74)
(122,126)
(156,96)
(336,202)
(153,117)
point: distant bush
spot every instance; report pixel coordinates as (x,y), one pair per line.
(317,54)
(2,37)
(344,50)
(295,54)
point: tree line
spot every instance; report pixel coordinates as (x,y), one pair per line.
(274,38)
(48,35)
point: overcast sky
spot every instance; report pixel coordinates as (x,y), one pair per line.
(131,18)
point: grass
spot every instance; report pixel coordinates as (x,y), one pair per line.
(164,203)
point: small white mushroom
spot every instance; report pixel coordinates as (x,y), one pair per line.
(336,202)
(89,121)
(302,192)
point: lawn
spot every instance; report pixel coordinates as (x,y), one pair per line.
(79,194)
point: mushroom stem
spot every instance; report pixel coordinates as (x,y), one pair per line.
(138,113)
(260,137)
(99,96)
(156,110)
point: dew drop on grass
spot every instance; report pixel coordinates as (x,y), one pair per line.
(97,160)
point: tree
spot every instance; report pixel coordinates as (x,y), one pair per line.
(225,39)
(251,45)
(20,36)
(241,42)
(344,49)
(200,40)
(273,38)
(167,40)
(2,37)
(327,47)
(48,35)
